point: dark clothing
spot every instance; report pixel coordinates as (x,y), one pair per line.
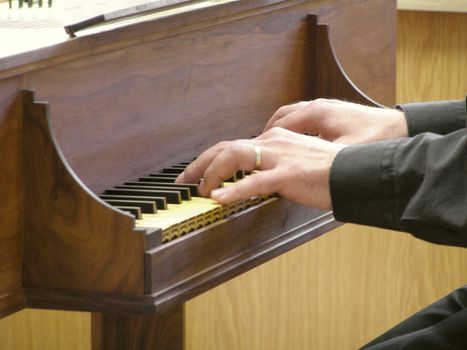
(441,117)
(442,325)
(416,185)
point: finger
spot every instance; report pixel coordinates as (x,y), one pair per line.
(237,156)
(302,121)
(258,184)
(195,170)
(282,112)
(295,121)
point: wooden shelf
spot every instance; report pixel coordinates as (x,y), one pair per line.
(433,5)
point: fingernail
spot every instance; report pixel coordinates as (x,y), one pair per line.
(219,194)
(180,177)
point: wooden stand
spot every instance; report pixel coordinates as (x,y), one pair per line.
(135,332)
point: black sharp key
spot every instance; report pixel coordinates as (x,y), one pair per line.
(184,191)
(171,176)
(157,179)
(240,174)
(161,202)
(185,163)
(192,187)
(147,207)
(172,170)
(136,211)
(233,178)
(172,197)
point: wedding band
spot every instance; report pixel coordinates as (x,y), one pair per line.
(258,157)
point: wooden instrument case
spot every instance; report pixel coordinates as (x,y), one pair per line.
(126,102)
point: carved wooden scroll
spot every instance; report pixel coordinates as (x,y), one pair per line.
(328,78)
(72,240)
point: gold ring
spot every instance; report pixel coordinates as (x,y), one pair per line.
(258,157)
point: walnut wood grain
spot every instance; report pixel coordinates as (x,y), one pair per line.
(363,38)
(117,96)
(11,294)
(230,247)
(122,97)
(132,101)
(328,78)
(71,240)
(204,259)
(226,249)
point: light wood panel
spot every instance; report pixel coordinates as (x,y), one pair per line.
(45,330)
(432,56)
(433,5)
(337,292)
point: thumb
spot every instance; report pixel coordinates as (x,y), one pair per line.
(258,184)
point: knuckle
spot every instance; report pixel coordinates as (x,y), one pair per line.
(303,104)
(320,101)
(319,104)
(190,169)
(276,131)
(232,149)
(208,173)
(279,123)
(281,141)
(319,107)
(223,144)
(210,177)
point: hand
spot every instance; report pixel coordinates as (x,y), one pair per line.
(293,165)
(339,121)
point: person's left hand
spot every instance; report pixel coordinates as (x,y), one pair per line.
(293,165)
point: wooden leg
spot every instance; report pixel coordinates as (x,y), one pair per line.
(138,332)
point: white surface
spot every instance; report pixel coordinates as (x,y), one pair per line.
(28,29)
(433,5)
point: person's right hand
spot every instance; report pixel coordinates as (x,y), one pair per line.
(341,122)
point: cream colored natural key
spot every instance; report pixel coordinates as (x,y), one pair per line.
(198,212)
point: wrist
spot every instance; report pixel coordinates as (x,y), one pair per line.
(327,201)
(400,124)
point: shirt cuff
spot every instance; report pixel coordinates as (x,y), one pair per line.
(440,117)
(361,183)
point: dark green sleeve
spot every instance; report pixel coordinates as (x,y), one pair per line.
(416,185)
(440,117)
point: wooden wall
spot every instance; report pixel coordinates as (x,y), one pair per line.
(432,56)
(46,330)
(317,296)
(337,292)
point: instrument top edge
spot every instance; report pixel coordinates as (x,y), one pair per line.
(137,33)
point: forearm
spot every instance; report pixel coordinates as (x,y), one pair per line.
(417,185)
